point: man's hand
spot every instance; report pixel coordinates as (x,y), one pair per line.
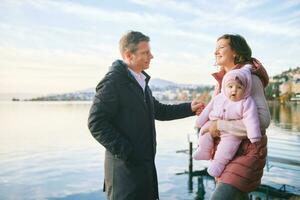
(197,106)
(213,129)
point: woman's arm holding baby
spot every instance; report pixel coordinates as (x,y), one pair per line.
(237,127)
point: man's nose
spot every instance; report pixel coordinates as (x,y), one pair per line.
(151,56)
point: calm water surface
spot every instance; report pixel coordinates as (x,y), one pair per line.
(47,152)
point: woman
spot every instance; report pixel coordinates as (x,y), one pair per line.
(243,174)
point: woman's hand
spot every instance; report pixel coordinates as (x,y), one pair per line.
(213,129)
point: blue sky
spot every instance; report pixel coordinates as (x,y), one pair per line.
(50,46)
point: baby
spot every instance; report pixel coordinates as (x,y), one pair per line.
(233,103)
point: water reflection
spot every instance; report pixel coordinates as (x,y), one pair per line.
(50,153)
(200,189)
(286,116)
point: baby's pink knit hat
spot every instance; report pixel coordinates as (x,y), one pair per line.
(243,74)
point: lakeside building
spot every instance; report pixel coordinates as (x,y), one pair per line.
(285,87)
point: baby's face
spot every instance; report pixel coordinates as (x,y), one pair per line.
(234,91)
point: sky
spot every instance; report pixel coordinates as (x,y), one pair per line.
(57,46)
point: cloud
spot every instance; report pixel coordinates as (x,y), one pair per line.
(235,14)
(92,13)
(264,27)
(63,71)
(69,44)
(93,20)
(245,5)
(170,4)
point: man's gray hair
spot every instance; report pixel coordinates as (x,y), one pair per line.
(130,41)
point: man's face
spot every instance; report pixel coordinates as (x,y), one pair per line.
(141,58)
(234,91)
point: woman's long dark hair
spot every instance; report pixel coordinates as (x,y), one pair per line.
(240,46)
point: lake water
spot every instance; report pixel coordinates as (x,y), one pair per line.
(47,152)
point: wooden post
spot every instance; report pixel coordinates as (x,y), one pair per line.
(190,181)
(190,158)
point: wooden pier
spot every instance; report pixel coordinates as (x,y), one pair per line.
(273,160)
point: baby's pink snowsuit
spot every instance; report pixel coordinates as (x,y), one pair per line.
(221,107)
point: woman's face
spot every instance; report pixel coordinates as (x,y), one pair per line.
(224,54)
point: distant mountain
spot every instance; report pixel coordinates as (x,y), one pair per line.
(157,83)
(160,83)
(89,93)
(88,90)
(17,96)
(81,95)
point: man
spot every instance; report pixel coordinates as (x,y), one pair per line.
(122,120)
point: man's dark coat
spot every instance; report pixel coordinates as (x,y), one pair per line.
(122,120)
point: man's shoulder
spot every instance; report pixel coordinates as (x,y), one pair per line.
(109,78)
(113,78)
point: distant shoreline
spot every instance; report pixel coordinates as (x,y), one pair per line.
(270,102)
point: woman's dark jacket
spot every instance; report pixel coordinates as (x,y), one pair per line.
(122,120)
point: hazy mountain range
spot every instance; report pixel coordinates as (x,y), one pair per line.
(87,94)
